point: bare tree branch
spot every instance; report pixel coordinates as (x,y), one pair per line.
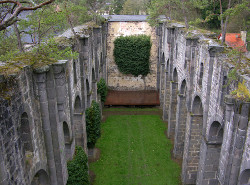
(13,18)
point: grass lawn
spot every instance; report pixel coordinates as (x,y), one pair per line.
(130,109)
(134,150)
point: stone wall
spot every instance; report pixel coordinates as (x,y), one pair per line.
(117,80)
(209,131)
(42,113)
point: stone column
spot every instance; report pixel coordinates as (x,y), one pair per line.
(239,144)
(41,84)
(180,128)
(229,127)
(172,109)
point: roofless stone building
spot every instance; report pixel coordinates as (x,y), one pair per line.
(42,111)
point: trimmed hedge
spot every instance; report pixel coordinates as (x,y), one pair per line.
(132,54)
(102,89)
(93,123)
(78,168)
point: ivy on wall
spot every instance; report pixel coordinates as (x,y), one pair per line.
(102,89)
(93,123)
(78,168)
(132,54)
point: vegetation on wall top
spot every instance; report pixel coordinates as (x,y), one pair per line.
(132,54)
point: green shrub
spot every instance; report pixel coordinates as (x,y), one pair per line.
(78,168)
(102,89)
(93,123)
(132,54)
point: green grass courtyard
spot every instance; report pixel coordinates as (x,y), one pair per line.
(135,150)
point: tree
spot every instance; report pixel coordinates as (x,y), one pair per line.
(233,8)
(10,10)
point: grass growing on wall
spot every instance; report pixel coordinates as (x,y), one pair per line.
(132,54)
(134,150)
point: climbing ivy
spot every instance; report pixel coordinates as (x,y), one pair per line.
(102,89)
(132,54)
(78,168)
(93,123)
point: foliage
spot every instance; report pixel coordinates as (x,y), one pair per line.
(44,54)
(118,5)
(131,7)
(93,123)
(136,151)
(78,168)
(241,92)
(132,54)
(102,89)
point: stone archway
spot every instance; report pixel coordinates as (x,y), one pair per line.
(173,104)
(88,93)
(211,152)
(78,123)
(94,85)
(193,142)
(181,118)
(25,133)
(41,178)
(245,177)
(67,140)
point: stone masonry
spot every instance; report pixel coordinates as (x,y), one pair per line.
(210,128)
(42,111)
(42,114)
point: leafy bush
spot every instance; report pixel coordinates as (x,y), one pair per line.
(102,89)
(93,123)
(132,54)
(78,168)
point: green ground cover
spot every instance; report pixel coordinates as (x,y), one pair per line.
(134,150)
(131,109)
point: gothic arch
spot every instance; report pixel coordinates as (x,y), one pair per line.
(78,122)
(25,133)
(88,93)
(190,170)
(215,133)
(41,178)
(245,177)
(181,117)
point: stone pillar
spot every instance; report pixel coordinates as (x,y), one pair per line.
(162,83)
(229,127)
(166,95)
(172,109)
(212,52)
(56,129)
(180,128)
(239,144)
(41,84)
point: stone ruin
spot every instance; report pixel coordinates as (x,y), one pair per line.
(42,110)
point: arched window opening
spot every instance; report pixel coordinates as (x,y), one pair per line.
(40,178)
(175,76)
(77,106)
(66,133)
(197,106)
(93,75)
(215,132)
(26,133)
(163,59)
(201,74)
(183,88)
(245,177)
(88,93)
